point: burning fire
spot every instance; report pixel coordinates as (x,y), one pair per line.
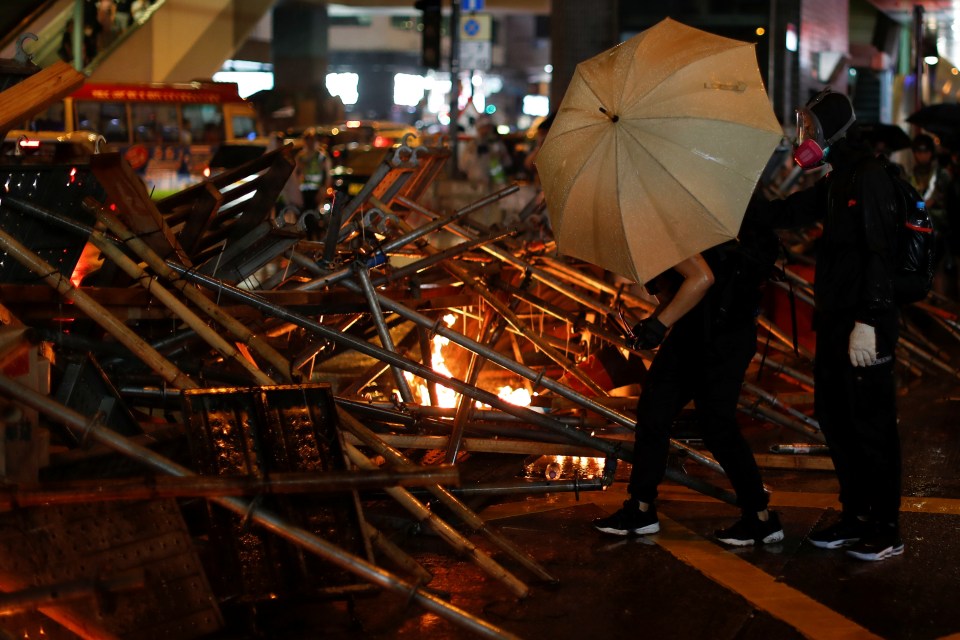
(557,466)
(447,397)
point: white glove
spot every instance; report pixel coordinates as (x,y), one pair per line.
(863,345)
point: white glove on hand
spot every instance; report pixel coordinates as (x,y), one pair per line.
(863,345)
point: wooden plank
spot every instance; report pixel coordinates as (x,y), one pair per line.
(36,93)
(127,191)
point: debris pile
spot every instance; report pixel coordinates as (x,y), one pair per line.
(215,345)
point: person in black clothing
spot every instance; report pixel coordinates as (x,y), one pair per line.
(856,322)
(704,358)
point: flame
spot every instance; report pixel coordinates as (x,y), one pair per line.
(587,468)
(90,260)
(446,397)
(520,396)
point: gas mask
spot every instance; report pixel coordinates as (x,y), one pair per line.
(812,146)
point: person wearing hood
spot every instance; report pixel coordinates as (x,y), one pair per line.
(856,321)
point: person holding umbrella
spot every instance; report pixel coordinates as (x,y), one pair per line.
(703,358)
(856,323)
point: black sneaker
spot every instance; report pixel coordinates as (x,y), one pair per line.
(842,534)
(752,530)
(627,521)
(884,542)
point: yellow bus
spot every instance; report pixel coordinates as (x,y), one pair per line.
(167,132)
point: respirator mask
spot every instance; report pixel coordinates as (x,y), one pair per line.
(812,146)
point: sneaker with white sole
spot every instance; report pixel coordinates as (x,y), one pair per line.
(750,529)
(884,542)
(629,520)
(842,534)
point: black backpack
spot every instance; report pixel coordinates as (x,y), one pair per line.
(916,237)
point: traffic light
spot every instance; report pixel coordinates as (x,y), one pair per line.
(432,16)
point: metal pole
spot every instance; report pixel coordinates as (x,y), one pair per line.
(77,36)
(417,233)
(413,367)
(451,536)
(109,322)
(110,490)
(385,339)
(453,128)
(267,519)
(471,519)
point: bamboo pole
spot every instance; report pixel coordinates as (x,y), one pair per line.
(263,517)
(929,359)
(754,410)
(147,354)
(152,488)
(413,367)
(774,401)
(618,292)
(396,555)
(236,328)
(181,310)
(471,519)
(460,544)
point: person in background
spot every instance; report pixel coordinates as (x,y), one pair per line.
(485,159)
(703,358)
(123,15)
(106,18)
(313,171)
(933,182)
(138,8)
(857,321)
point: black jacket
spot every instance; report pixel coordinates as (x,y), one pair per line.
(856,255)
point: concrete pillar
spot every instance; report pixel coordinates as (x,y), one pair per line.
(577,34)
(299,49)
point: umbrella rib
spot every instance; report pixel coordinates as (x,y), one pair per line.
(652,89)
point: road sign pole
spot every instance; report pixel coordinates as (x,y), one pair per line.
(453,131)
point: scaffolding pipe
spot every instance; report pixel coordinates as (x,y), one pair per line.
(775,402)
(386,341)
(467,516)
(413,367)
(343,274)
(109,322)
(152,488)
(448,534)
(305,539)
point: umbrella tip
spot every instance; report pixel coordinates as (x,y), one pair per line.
(613,118)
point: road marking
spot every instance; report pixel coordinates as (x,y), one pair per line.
(806,615)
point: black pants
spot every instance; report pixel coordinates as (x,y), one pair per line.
(709,372)
(856,407)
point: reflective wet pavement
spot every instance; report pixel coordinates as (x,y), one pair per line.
(682,584)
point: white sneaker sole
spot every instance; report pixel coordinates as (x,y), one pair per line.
(641,531)
(833,544)
(889,552)
(650,528)
(776,536)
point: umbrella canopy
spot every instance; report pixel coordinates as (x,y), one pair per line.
(941,119)
(892,137)
(656,149)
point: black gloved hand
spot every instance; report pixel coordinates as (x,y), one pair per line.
(647,334)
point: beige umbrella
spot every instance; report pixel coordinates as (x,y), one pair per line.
(656,149)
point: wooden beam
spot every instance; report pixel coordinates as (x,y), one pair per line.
(36,93)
